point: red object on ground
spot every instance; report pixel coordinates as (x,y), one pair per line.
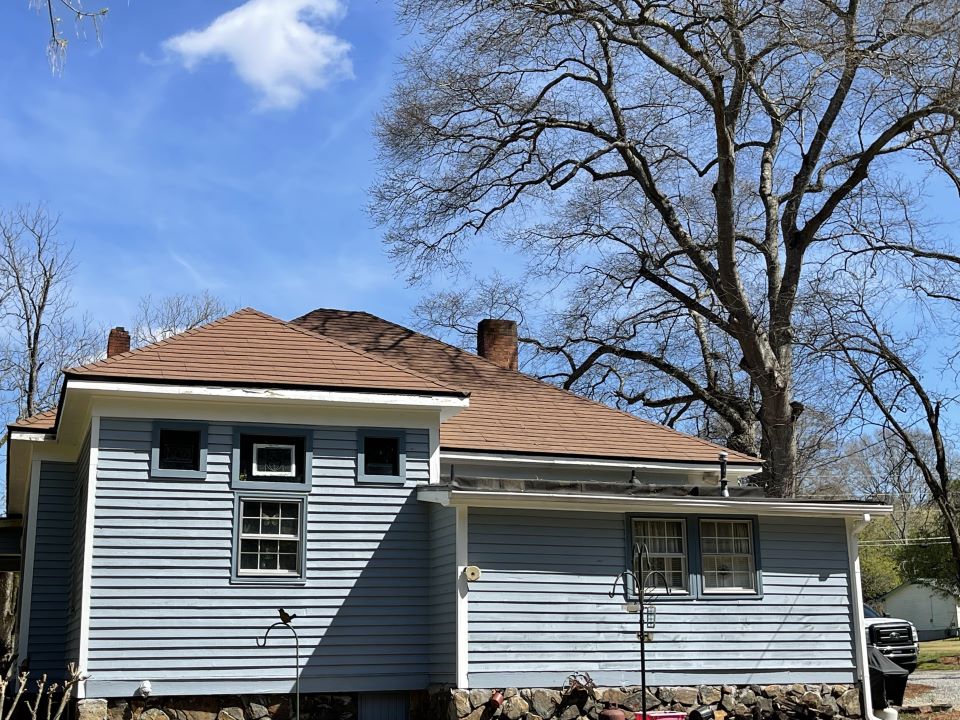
(661,715)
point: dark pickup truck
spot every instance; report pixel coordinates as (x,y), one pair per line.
(897,639)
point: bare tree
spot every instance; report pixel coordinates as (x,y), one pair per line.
(57,44)
(675,173)
(882,361)
(40,333)
(158,319)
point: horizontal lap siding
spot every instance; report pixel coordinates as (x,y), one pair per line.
(52,570)
(163,606)
(542,610)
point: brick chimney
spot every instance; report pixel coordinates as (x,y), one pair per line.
(118,341)
(497,342)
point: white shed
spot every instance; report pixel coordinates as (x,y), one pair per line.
(935,614)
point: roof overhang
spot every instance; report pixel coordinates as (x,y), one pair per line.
(734,471)
(447,403)
(452,497)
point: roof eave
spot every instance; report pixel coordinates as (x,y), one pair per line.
(444,401)
(620,504)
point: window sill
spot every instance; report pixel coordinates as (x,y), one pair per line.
(269,486)
(168,474)
(391,480)
(267,580)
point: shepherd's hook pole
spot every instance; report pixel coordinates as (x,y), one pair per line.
(639,554)
(296,676)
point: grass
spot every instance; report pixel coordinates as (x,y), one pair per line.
(932,652)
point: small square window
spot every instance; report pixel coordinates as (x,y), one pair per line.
(381,456)
(179,450)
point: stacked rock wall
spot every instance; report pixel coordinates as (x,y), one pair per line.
(220,707)
(753,701)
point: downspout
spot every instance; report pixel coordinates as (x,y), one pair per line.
(854,526)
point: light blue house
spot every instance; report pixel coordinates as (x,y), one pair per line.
(433,518)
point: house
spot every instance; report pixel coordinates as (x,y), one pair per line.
(934,613)
(441,525)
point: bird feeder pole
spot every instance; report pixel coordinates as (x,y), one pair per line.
(296,669)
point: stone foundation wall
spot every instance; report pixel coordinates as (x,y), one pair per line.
(220,707)
(753,701)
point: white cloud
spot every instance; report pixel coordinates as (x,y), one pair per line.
(278,47)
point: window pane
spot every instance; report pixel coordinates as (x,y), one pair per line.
(251,509)
(248,561)
(268,561)
(251,526)
(381,455)
(288,562)
(179,449)
(270,526)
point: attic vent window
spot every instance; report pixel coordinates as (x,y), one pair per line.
(381,456)
(274,460)
(179,450)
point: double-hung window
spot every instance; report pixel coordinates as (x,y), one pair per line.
(270,537)
(665,560)
(696,557)
(726,555)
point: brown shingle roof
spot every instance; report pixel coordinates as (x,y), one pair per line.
(512,412)
(39,422)
(251,348)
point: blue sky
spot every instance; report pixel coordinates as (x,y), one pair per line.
(181,161)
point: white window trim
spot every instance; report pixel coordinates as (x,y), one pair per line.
(257,472)
(299,538)
(752,590)
(683,554)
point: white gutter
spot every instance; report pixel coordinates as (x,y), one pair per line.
(733,471)
(632,503)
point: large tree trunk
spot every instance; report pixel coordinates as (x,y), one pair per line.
(778,443)
(9,587)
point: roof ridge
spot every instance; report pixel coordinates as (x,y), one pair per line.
(157,343)
(313,334)
(538,381)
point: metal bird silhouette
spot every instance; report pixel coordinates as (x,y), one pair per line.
(285,617)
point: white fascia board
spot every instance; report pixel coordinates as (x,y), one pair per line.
(222,393)
(620,503)
(32,436)
(734,472)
